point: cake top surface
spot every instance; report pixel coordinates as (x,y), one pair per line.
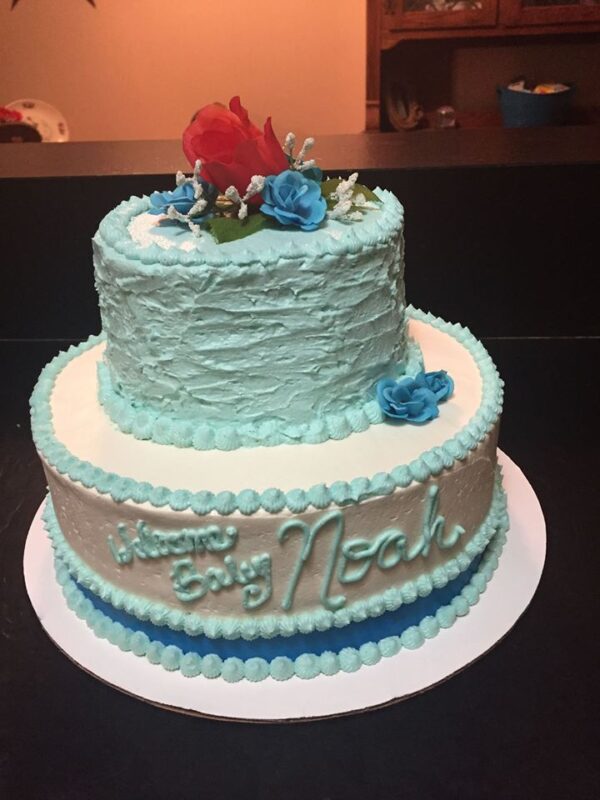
(146,229)
(134,232)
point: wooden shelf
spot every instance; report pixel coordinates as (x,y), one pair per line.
(497,21)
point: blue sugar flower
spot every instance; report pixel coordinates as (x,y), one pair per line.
(293,199)
(440,383)
(414,399)
(409,399)
(182,199)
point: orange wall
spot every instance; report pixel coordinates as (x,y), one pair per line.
(138,69)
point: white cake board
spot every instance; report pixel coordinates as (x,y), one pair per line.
(410,671)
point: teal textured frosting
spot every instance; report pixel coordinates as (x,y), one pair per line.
(282,668)
(273,500)
(165,428)
(278,337)
(271,625)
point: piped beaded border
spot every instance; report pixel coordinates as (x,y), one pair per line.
(282,668)
(163,428)
(430,463)
(271,625)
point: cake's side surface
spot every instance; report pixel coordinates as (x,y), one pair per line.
(266,570)
(238,575)
(423,617)
(277,337)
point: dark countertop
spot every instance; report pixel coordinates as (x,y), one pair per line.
(577,144)
(519,723)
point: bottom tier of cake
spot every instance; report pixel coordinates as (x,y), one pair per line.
(302,655)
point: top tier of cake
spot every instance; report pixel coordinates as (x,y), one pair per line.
(277,337)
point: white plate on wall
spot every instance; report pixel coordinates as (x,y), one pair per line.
(410,671)
(47,120)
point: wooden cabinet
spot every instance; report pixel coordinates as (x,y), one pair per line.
(390,22)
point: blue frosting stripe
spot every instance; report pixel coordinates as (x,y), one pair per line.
(353,635)
(268,626)
(271,500)
(331,653)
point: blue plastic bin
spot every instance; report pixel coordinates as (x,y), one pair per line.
(528,110)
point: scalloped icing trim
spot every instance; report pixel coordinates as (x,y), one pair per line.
(152,260)
(281,668)
(273,500)
(163,428)
(271,625)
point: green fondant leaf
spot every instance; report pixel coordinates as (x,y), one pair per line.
(327,188)
(370,195)
(229,229)
(330,185)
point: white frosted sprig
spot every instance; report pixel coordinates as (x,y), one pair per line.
(181,178)
(172,213)
(289,144)
(340,210)
(306,165)
(345,188)
(231,193)
(308,144)
(299,162)
(199,206)
(256,185)
(346,203)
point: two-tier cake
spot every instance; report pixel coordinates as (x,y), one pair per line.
(267,465)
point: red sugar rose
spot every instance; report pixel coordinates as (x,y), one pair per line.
(232,149)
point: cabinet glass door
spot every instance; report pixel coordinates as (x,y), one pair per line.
(549,12)
(438,14)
